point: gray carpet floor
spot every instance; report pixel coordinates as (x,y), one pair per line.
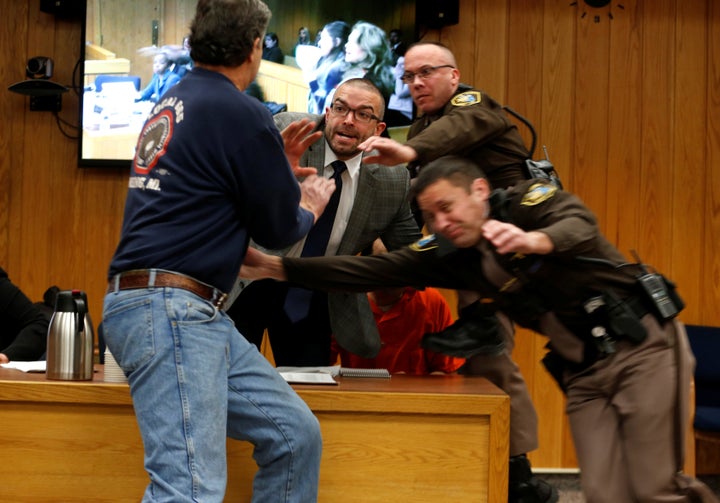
(568,485)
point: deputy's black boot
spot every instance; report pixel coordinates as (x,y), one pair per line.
(525,487)
(475,331)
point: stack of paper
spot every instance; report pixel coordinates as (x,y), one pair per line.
(25,366)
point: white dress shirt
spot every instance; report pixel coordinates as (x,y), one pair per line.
(347,198)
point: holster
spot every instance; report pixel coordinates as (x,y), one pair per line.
(623,317)
(556,366)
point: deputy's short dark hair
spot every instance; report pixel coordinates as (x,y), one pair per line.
(459,171)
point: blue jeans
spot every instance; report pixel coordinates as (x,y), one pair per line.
(195,380)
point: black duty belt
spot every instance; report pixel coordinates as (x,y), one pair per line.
(142,278)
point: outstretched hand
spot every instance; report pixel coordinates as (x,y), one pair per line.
(259,265)
(387,151)
(297,137)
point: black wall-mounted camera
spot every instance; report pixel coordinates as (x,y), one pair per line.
(45,95)
(39,67)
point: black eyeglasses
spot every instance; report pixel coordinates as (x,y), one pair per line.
(424,73)
(341,109)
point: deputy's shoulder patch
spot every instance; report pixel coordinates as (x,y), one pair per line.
(537,193)
(425,243)
(466,99)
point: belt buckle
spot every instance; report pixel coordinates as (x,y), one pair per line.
(219,298)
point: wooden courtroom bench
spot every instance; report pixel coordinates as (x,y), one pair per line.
(284,84)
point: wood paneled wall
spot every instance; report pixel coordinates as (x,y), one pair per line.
(628,104)
(629,108)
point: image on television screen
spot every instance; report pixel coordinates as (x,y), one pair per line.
(133,52)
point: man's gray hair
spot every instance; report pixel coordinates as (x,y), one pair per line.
(223,32)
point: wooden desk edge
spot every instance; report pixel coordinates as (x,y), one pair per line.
(437,394)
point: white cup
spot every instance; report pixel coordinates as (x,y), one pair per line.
(113,372)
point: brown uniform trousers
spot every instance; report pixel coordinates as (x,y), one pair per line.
(628,455)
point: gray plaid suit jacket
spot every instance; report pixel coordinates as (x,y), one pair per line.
(381,209)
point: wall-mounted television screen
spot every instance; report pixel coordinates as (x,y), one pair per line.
(133,51)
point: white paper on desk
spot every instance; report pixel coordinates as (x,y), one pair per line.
(25,366)
(308,377)
(333,370)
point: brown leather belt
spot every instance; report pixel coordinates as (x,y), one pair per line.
(141,279)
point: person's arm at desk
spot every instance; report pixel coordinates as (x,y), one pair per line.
(24,325)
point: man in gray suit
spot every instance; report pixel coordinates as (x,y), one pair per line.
(373,203)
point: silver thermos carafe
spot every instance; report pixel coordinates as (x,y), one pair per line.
(70,339)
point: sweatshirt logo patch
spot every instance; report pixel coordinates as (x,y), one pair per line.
(425,243)
(153,141)
(466,99)
(537,193)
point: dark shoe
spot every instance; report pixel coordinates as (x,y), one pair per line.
(527,488)
(534,491)
(473,333)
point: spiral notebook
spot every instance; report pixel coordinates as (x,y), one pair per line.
(350,372)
